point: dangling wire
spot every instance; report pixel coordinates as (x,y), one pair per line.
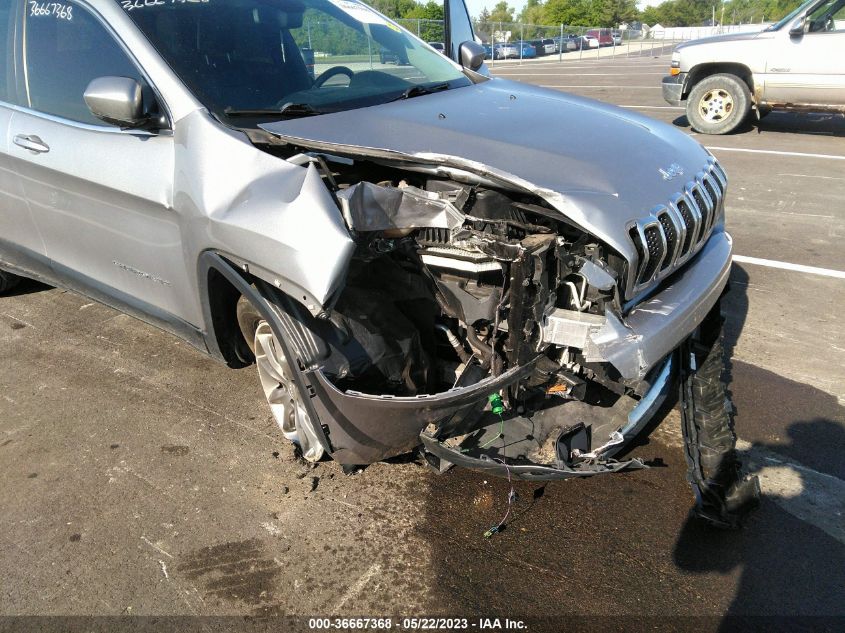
(511,498)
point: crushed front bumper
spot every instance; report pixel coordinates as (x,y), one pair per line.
(660,323)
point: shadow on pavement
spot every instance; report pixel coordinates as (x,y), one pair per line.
(786,566)
(26,287)
(816,123)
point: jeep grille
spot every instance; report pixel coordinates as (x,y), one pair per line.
(672,233)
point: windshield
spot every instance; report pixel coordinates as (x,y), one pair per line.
(777,26)
(255,57)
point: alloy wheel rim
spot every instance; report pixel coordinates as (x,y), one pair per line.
(282,394)
(716,105)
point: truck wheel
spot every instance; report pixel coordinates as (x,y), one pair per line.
(8,281)
(718,104)
(723,495)
(276,376)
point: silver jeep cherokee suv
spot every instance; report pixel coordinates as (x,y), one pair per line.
(409,254)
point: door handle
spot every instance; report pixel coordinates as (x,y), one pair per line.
(31,142)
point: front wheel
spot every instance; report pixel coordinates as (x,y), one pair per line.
(718,104)
(277,381)
(723,495)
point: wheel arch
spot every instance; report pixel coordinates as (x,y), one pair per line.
(221,286)
(222,283)
(708,69)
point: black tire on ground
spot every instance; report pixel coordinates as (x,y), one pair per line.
(8,281)
(723,495)
(718,104)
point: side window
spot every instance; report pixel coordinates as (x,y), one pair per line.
(67,47)
(829,17)
(6,26)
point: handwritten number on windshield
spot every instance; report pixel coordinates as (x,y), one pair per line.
(131,5)
(43,9)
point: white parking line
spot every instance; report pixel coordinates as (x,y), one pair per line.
(651,107)
(776,152)
(565,66)
(800,268)
(550,75)
(813,176)
(608,86)
(812,496)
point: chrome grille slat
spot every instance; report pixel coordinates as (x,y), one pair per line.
(674,232)
(670,233)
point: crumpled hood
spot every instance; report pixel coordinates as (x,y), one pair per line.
(598,164)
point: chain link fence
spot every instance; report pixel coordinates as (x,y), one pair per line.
(508,41)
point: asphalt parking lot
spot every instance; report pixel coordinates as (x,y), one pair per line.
(138,477)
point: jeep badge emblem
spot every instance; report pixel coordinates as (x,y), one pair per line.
(674,170)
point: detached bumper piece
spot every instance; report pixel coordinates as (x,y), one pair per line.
(441,456)
(523,448)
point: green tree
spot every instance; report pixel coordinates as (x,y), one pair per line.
(430,16)
(482,26)
(502,12)
(568,12)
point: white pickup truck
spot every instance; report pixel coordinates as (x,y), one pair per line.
(796,64)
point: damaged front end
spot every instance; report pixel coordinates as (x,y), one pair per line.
(478,323)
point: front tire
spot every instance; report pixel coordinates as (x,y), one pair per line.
(718,104)
(8,281)
(275,373)
(723,495)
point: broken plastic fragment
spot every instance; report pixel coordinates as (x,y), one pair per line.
(370,207)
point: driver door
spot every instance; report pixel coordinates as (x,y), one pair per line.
(808,69)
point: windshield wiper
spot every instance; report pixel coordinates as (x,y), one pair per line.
(289,110)
(416,91)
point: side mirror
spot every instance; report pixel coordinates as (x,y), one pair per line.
(116,100)
(797,28)
(472,55)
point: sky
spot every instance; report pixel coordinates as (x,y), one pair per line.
(475,6)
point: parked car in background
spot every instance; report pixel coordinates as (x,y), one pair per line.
(488,51)
(617,37)
(539,49)
(560,43)
(505,50)
(387,56)
(603,36)
(796,64)
(525,50)
(550,46)
(581,42)
(546,46)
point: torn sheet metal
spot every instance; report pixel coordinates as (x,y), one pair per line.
(370,207)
